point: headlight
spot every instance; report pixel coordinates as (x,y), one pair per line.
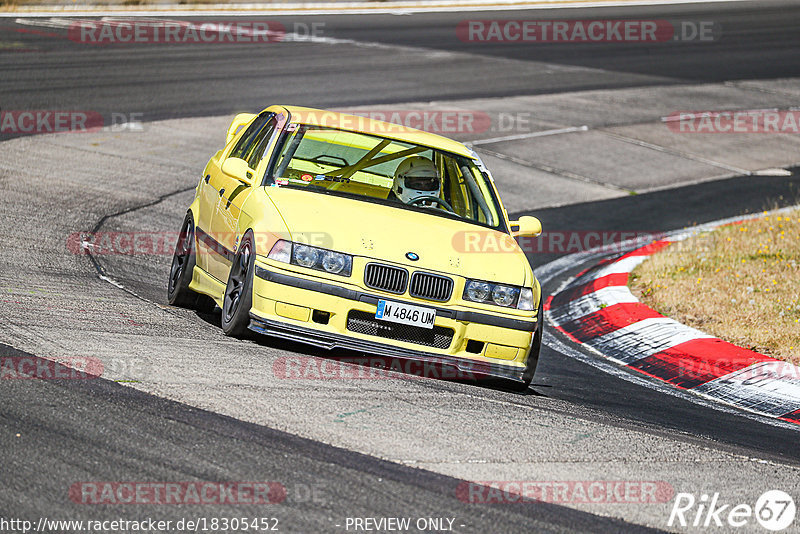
(477,291)
(504,295)
(334,262)
(499,294)
(305,255)
(311,257)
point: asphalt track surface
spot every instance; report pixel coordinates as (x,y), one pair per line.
(758,40)
(99,430)
(174,442)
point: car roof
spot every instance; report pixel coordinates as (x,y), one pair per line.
(354,123)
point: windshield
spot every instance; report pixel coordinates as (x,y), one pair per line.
(326,160)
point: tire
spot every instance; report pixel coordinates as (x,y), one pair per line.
(183,263)
(238,298)
(533,356)
(533,360)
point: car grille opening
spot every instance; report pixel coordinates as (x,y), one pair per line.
(430,286)
(474,346)
(321,317)
(366,323)
(385,278)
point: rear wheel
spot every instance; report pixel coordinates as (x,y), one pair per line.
(181,272)
(239,291)
(183,262)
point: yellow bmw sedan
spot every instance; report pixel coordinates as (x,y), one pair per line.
(345,232)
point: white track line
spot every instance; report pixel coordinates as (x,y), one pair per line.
(680,153)
(334,8)
(543,133)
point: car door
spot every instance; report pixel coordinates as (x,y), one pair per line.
(233,193)
(208,248)
(209,198)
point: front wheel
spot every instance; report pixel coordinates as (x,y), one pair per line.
(533,355)
(530,367)
(239,291)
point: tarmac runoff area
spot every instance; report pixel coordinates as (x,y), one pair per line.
(142,181)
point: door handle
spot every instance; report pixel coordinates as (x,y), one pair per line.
(207,178)
(221,191)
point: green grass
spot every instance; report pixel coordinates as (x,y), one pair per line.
(740,283)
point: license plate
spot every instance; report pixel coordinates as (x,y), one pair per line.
(398,312)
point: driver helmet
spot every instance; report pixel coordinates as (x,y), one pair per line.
(416,177)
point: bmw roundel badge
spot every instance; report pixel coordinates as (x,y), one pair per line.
(412,256)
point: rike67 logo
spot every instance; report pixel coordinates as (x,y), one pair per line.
(774,510)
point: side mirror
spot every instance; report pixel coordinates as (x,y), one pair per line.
(238,121)
(526,227)
(237,168)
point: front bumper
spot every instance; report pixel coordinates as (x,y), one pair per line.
(331,341)
(285,305)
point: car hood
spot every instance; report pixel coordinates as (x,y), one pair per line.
(386,233)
